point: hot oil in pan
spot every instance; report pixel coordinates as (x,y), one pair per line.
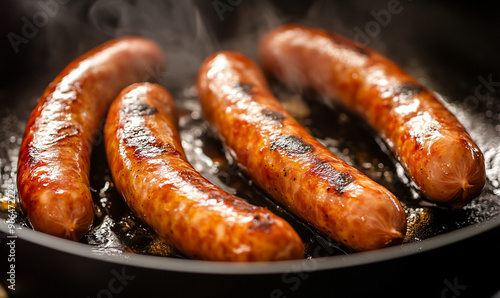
(117,230)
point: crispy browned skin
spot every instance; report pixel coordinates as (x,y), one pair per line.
(54,160)
(152,173)
(434,148)
(295,169)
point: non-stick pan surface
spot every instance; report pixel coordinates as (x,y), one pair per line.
(450,47)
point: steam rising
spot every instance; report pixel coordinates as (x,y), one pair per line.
(175,25)
(188,31)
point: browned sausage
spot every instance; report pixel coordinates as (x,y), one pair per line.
(434,148)
(291,165)
(54,159)
(152,173)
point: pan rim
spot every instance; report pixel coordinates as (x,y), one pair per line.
(276,267)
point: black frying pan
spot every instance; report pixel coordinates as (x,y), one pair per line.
(450,47)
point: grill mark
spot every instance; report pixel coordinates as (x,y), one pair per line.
(338,180)
(403,92)
(354,46)
(273,115)
(361,50)
(145,143)
(292,145)
(139,109)
(261,222)
(407,90)
(138,136)
(245,88)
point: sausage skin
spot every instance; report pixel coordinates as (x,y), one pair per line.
(152,173)
(292,166)
(434,148)
(54,158)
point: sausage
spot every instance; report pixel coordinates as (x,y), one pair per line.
(151,172)
(54,158)
(434,148)
(280,156)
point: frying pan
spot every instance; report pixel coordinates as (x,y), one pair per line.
(451,47)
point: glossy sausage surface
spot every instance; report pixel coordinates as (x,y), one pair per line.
(54,159)
(434,148)
(288,163)
(153,175)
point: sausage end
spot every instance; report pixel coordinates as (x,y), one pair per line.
(456,173)
(62,217)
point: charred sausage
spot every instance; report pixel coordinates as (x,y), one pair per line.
(434,148)
(54,158)
(291,165)
(152,173)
